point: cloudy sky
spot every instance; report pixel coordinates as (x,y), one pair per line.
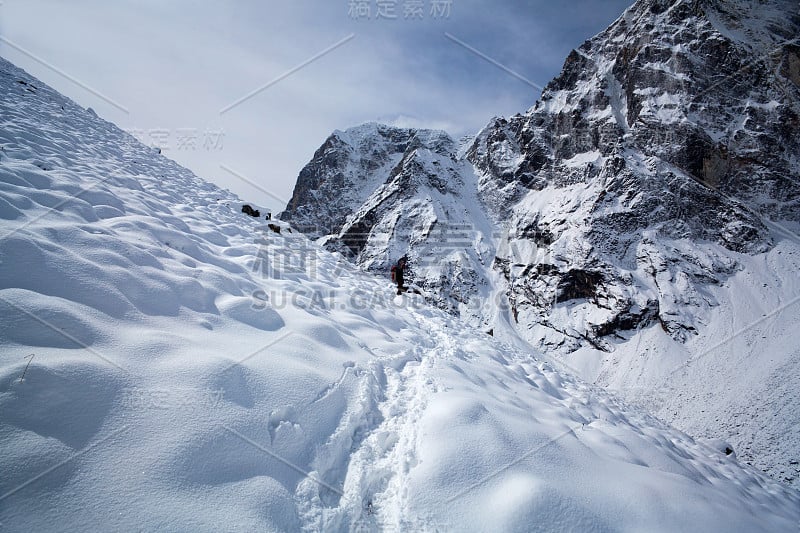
(244,92)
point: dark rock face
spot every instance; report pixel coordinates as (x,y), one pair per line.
(578,283)
(339,176)
(247,209)
(668,84)
(679,122)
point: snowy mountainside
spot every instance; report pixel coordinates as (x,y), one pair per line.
(661,133)
(167,363)
(659,175)
(637,203)
(376,192)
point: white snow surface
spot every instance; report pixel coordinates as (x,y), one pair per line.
(186,369)
(738,380)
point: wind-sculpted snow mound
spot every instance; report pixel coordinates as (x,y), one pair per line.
(169,364)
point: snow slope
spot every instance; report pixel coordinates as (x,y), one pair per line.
(739,380)
(169,363)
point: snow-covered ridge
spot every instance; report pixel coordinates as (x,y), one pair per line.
(168,364)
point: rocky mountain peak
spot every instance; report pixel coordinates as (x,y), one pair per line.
(709,87)
(351,165)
